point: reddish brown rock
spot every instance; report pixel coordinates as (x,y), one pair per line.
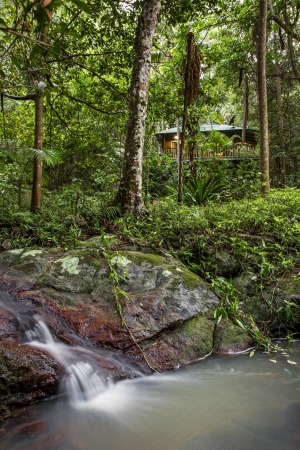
(26,375)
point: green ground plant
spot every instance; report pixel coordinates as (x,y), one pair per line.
(200,189)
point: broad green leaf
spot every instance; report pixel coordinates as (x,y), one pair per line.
(74,34)
(17,62)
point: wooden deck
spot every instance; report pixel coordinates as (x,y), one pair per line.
(233,152)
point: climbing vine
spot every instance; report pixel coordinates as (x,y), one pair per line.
(116,278)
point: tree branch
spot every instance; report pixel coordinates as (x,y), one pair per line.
(24,36)
(90,105)
(93,72)
(285,27)
(282,24)
(64,58)
(60,118)
(20,97)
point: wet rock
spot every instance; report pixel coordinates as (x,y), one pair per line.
(26,375)
(160,293)
(8,330)
(33,428)
(188,343)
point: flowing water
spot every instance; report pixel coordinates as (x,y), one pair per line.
(221,403)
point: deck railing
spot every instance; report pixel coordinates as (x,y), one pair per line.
(236,151)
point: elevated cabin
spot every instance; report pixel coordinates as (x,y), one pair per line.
(237,151)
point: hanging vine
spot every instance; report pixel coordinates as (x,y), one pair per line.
(191,90)
(119,293)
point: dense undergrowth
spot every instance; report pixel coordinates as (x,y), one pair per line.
(263,233)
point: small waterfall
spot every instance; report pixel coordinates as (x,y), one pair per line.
(40,332)
(82,380)
(85,383)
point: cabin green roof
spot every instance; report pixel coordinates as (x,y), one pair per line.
(206,128)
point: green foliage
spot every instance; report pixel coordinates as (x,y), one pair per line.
(244,180)
(25,229)
(16,161)
(262,233)
(160,175)
(229,305)
(289,314)
(200,189)
(229,308)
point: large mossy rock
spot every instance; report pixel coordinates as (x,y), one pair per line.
(167,311)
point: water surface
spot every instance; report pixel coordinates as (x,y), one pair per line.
(221,403)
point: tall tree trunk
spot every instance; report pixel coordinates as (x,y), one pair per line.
(38,145)
(262,96)
(280,121)
(130,192)
(246,108)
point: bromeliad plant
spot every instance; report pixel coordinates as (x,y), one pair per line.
(202,188)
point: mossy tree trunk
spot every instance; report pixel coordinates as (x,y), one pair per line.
(263,97)
(130,195)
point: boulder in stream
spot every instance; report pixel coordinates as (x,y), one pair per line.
(145,304)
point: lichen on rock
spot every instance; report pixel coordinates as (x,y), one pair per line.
(69,264)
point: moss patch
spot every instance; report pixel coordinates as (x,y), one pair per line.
(182,273)
(146,258)
(194,338)
(107,241)
(230,338)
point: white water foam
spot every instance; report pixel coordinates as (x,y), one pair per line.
(83,380)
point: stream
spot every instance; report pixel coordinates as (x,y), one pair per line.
(238,402)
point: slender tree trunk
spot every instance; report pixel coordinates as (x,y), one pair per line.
(180,156)
(246,108)
(280,122)
(262,97)
(38,145)
(130,192)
